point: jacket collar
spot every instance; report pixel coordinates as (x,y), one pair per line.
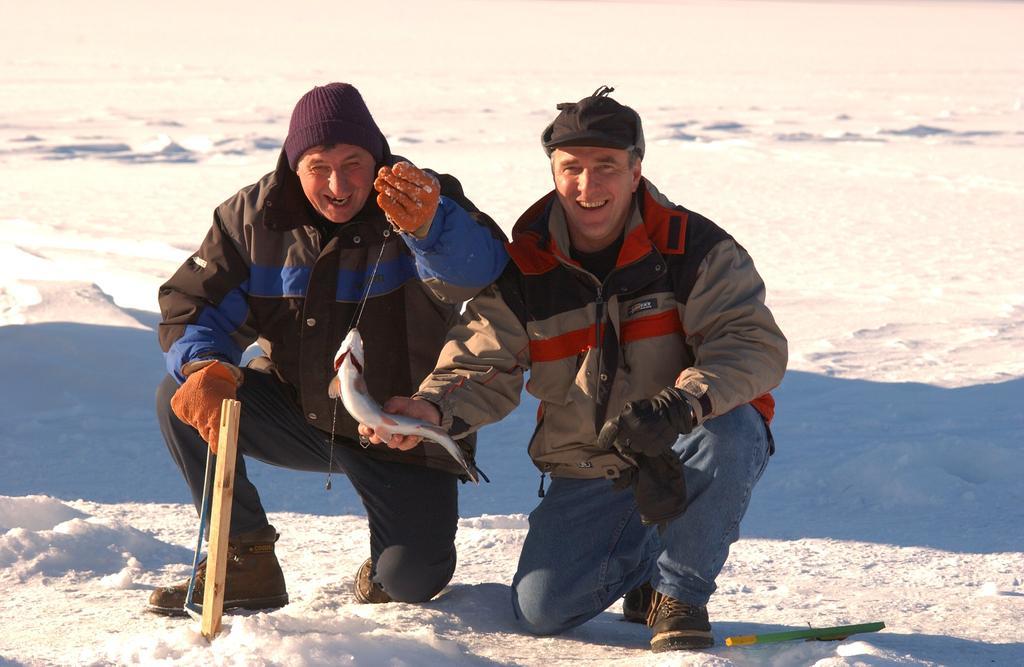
(281,201)
(540,238)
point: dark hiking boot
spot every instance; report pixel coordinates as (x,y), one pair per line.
(678,626)
(636,604)
(366,590)
(253,581)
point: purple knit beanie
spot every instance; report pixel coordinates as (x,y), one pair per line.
(332,114)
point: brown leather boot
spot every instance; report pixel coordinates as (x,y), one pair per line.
(366,591)
(677,625)
(254,579)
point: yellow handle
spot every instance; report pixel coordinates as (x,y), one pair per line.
(742,640)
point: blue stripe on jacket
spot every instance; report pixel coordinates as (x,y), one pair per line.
(279,281)
(293,281)
(390,276)
(210,336)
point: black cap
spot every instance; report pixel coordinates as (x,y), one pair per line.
(597,120)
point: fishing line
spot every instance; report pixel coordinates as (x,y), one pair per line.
(330,461)
(369,282)
(194,610)
(355,323)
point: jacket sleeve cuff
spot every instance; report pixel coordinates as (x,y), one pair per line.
(440,401)
(199,364)
(426,237)
(699,399)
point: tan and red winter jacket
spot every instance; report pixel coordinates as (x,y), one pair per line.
(684,306)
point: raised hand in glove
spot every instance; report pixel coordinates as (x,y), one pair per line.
(649,426)
(197,401)
(408,196)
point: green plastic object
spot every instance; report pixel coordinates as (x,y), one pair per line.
(823,634)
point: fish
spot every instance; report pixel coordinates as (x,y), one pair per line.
(350,386)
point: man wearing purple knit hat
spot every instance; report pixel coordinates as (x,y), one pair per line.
(289,263)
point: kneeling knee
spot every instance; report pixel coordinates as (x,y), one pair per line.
(407,577)
(537,611)
(536,623)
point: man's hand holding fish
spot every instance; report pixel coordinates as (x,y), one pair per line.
(417,408)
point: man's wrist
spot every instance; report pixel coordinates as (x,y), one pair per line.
(680,412)
(443,408)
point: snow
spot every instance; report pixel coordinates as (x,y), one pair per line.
(868,154)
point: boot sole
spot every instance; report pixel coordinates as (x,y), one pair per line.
(681,640)
(254,604)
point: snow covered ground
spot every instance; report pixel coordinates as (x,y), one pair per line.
(869,155)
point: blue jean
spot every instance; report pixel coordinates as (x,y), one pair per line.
(586,546)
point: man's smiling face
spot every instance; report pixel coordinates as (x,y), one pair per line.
(595,187)
(337,179)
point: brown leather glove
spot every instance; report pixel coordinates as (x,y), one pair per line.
(197,401)
(408,196)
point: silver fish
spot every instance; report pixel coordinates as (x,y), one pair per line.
(350,386)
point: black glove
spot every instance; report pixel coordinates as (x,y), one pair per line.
(658,486)
(649,426)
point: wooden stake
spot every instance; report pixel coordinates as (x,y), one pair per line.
(220,518)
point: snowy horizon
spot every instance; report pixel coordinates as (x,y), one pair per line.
(866,154)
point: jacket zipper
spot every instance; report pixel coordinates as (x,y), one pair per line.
(599,308)
(598,319)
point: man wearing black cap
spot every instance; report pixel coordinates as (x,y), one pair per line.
(643,327)
(290,262)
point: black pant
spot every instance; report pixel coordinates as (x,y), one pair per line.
(412,510)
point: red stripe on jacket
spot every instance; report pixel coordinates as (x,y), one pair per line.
(565,345)
(651,326)
(575,342)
